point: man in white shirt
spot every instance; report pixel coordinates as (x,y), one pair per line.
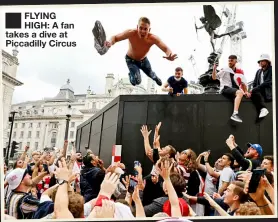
(227,175)
(228,86)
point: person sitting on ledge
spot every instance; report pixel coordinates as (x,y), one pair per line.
(176,85)
(262,85)
(229,87)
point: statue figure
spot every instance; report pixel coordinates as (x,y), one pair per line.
(211,22)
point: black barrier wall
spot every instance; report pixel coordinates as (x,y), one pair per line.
(200,122)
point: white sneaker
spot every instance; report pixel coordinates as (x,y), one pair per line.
(263,113)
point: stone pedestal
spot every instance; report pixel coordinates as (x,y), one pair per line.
(210,86)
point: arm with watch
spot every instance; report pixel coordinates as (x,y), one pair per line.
(61,208)
(210,170)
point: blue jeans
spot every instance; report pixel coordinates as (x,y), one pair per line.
(134,70)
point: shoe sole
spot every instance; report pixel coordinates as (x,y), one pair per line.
(264,115)
(158,82)
(237,120)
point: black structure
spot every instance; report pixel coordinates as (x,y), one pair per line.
(210,86)
(14,149)
(67,124)
(200,122)
(7,152)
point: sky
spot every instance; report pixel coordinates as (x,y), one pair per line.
(44,71)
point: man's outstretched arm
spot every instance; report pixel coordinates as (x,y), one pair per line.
(122,36)
(160,44)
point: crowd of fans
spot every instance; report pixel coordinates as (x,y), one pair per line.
(180,184)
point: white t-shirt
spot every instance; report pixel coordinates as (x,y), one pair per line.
(210,187)
(262,78)
(224,78)
(52,168)
(227,175)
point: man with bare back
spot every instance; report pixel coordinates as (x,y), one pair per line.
(140,42)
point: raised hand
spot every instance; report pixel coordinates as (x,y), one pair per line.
(157,128)
(138,169)
(171,57)
(206,156)
(107,44)
(145,132)
(62,172)
(231,142)
(165,169)
(126,181)
(109,184)
(26,148)
(216,195)
(156,143)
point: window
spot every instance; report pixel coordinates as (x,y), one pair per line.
(5,67)
(39,125)
(14,136)
(38,134)
(36,145)
(23,125)
(72,124)
(28,144)
(7,144)
(71,134)
(20,145)
(8,134)
(21,134)
(29,134)
(54,125)
(15,125)
(30,125)
(53,139)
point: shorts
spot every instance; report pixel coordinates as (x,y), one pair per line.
(229,92)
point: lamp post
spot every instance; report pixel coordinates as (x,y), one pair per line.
(69,111)
(11,119)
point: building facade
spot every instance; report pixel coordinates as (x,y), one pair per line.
(42,124)
(9,82)
(195,88)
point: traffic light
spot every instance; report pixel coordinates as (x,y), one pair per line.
(14,149)
(4,151)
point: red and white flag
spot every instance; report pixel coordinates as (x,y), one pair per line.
(116,153)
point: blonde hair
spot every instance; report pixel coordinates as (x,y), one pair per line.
(161,214)
(145,20)
(248,208)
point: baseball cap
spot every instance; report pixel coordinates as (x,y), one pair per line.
(257,147)
(15,177)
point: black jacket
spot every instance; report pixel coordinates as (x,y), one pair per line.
(243,162)
(90,181)
(266,86)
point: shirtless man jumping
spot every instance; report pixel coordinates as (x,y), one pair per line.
(140,42)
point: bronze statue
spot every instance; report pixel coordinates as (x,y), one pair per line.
(211,22)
